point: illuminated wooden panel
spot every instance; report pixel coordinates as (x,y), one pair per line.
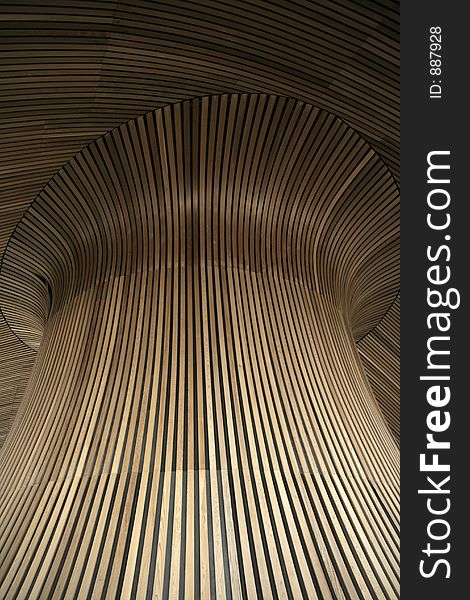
(199,422)
(73,71)
(380,355)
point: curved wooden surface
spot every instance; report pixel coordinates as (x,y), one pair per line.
(209,297)
(380,354)
(72,72)
(204,270)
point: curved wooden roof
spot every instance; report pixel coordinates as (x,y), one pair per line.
(221,177)
(70,73)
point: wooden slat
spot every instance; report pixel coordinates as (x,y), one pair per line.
(199,307)
(199,422)
(72,72)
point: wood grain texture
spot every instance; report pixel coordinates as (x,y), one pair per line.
(72,72)
(380,354)
(199,308)
(198,422)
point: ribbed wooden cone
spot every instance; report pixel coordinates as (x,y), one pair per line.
(198,422)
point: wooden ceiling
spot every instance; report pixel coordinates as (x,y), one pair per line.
(73,71)
(199,201)
(194,282)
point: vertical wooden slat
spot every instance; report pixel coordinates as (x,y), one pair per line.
(199,422)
